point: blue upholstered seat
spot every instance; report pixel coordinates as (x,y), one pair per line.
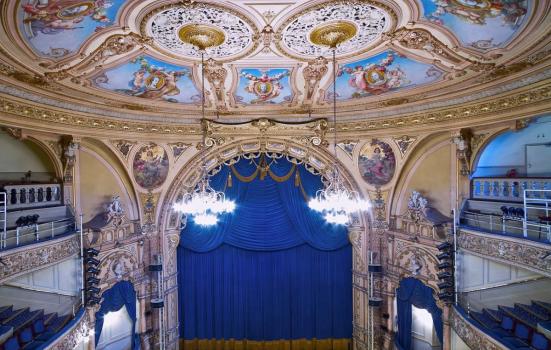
(38,326)
(26,336)
(11,344)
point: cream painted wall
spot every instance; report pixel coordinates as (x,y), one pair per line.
(97,185)
(432,177)
(490,283)
(22,156)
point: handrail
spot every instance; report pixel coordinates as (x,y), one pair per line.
(499,225)
(4,219)
(41,231)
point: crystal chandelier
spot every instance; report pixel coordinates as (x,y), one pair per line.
(204,203)
(335,201)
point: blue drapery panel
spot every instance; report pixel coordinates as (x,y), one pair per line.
(271,270)
(233,293)
(121,294)
(414,292)
(270,215)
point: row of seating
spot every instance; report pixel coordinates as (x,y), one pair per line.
(518,327)
(26,329)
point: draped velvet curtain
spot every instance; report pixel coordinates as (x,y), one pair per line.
(413,292)
(271,270)
(121,294)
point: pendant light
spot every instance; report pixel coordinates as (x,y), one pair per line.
(204,203)
(335,202)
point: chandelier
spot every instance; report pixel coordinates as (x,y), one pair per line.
(335,202)
(204,203)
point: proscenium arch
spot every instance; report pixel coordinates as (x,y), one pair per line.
(169,228)
(215,156)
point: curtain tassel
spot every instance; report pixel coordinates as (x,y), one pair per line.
(297,178)
(230,180)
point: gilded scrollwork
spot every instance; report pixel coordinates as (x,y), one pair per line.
(314,71)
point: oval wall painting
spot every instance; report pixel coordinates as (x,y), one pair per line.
(377,163)
(150,166)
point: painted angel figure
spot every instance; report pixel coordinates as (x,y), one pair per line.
(265,87)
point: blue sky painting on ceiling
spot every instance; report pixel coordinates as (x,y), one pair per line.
(148,78)
(264,86)
(57,28)
(384,72)
(480,24)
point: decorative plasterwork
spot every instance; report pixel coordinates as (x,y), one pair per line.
(370,19)
(468,114)
(313,73)
(472,336)
(164,23)
(21,260)
(74,336)
(513,251)
(404,142)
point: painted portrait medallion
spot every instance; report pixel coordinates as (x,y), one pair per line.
(377,163)
(150,166)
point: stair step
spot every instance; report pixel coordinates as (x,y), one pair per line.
(511,312)
(15,314)
(49,318)
(532,311)
(493,314)
(546,306)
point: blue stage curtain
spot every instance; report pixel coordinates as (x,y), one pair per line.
(414,292)
(121,294)
(271,270)
(270,214)
(234,293)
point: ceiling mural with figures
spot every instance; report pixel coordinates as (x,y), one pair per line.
(480,24)
(150,79)
(55,29)
(385,72)
(264,86)
(121,58)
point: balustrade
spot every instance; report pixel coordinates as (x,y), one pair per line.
(31,196)
(510,189)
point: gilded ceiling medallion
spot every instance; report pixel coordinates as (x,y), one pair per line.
(179,30)
(354,25)
(201,35)
(333,34)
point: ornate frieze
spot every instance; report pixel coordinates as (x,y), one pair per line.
(421,39)
(513,251)
(472,336)
(18,261)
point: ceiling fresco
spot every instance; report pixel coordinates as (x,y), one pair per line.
(480,24)
(264,86)
(385,72)
(132,56)
(150,79)
(56,29)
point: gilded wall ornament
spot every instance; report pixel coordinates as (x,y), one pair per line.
(123,146)
(216,75)
(313,73)
(404,142)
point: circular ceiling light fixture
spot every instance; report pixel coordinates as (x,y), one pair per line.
(361,24)
(180,30)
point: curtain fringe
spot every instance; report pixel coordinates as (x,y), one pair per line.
(283,344)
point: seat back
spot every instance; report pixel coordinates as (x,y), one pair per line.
(11,344)
(507,323)
(539,342)
(521,331)
(38,326)
(26,336)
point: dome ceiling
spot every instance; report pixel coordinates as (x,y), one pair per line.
(125,59)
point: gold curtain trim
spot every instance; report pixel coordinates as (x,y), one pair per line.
(276,178)
(283,344)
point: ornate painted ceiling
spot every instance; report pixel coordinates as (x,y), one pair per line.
(125,61)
